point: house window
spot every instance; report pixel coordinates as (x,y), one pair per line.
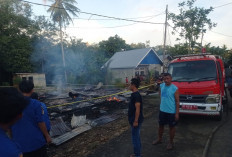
(24,78)
(142,73)
(31,78)
(137,73)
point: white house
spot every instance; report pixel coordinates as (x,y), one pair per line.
(37,78)
(133,63)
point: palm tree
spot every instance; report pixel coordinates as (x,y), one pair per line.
(60,10)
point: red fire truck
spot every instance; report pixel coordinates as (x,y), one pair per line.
(201,82)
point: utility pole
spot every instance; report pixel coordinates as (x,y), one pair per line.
(165,34)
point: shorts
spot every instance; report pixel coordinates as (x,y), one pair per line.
(167,118)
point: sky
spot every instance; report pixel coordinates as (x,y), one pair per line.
(93,29)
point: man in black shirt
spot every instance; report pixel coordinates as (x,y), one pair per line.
(135,116)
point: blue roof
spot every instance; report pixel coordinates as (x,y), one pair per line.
(151,58)
(132,58)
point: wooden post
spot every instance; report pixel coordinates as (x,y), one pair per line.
(165,34)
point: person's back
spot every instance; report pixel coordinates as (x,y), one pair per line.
(12,104)
(8,147)
(26,131)
(30,132)
(45,115)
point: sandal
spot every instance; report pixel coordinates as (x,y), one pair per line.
(170,146)
(156,142)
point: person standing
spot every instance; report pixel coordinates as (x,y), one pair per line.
(126,81)
(135,116)
(12,104)
(30,132)
(35,96)
(169,109)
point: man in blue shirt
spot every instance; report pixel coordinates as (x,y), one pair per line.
(30,132)
(35,96)
(135,116)
(169,109)
(12,104)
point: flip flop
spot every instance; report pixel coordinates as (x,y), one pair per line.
(156,142)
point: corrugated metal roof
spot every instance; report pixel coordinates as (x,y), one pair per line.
(128,59)
(161,56)
(58,127)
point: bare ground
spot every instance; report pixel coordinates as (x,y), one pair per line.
(88,142)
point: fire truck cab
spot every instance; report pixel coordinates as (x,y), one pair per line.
(201,82)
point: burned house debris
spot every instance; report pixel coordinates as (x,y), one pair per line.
(73,96)
(78,110)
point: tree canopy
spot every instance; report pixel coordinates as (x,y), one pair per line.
(112,45)
(191,22)
(16,35)
(31,44)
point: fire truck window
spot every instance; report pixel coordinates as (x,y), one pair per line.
(193,71)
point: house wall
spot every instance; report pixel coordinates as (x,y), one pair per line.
(121,74)
(142,70)
(156,68)
(38,79)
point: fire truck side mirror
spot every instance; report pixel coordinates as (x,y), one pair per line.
(226,85)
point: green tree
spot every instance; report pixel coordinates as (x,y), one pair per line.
(43,43)
(191,22)
(220,51)
(112,45)
(137,46)
(16,35)
(60,11)
(229,57)
(178,49)
(84,62)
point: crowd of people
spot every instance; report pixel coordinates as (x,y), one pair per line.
(25,125)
